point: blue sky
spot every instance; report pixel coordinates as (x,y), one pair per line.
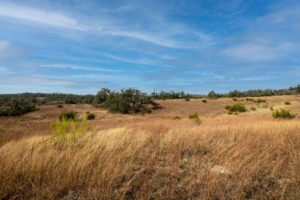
(197,46)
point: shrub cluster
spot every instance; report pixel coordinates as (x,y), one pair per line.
(236,108)
(282,113)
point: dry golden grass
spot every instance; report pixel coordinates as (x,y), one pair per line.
(157,157)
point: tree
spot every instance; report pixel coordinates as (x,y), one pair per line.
(101,96)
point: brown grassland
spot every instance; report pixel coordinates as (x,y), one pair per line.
(155,156)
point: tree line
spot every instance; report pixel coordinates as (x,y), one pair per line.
(123,101)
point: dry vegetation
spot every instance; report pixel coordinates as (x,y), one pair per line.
(154,156)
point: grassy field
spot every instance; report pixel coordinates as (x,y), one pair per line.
(163,155)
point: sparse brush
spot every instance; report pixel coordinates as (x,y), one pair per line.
(60,106)
(195,117)
(187,99)
(284,114)
(177,118)
(234,99)
(204,101)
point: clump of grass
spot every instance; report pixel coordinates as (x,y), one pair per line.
(287,103)
(187,99)
(204,101)
(68,116)
(60,106)
(236,108)
(195,117)
(69,132)
(284,114)
(234,99)
(177,118)
(253,108)
(90,116)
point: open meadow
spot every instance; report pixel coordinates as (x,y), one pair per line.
(168,154)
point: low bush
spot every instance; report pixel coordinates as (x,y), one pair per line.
(68,116)
(234,99)
(287,103)
(90,116)
(282,113)
(260,101)
(204,101)
(177,118)
(236,108)
(187,99)
(253,108)
(195,117)
(60,106)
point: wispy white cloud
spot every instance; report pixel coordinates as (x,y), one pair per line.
(257,51)
(74,67)
(40,16)
(110,26)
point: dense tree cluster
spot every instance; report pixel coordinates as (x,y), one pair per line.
(125,101)
(44,98)
(172,95)
(16,107)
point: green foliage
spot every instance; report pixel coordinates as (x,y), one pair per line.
(287,103)
(17,107)
(101,97)
(128,101)
(282,113)
(68,116)
(195,117)
(236,108)
(213,95)
(172,95)
(90,116)
(69,132)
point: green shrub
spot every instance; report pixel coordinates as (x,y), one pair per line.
(70,132)
(90,116)
(236,108)
(204,101)
(68,116)
(195,117)
(287,103)
(282,113)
